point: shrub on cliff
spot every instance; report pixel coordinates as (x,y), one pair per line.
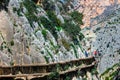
(73,30)
(77,17)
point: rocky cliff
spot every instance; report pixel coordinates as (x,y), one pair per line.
(102,33)
(107,41)
(49,31)
(95,8)
(33,33)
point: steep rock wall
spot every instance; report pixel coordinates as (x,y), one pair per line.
(26,38)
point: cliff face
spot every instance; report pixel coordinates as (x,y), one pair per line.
(101,29)
(94,8)
(103,34)
(107,41)
(31,33)
(49,31)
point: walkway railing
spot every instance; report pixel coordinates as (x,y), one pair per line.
(43,71)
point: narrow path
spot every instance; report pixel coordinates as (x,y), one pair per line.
(43,71)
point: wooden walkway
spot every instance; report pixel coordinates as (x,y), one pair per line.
(45,71)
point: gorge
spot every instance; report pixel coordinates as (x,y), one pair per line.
(53,31)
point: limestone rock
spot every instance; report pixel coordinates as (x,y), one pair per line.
(107,61)
(93,8)
(6,29)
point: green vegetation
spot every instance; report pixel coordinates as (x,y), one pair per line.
(14,9)
(53,18)
(67,78)
(9,50)
(55,24)
(54,47)
(48,5)
(52,23)
(46,23)
(81,36)
(94,71)
(12,43)
(65,44)
(31,11)
(18,11)
(51,56)
(107,71)
(44,32)
(77,17)
(71,28)
(3,45)
(106,78)
(11,63)
(66,67)
(53,76)
(15,25)
(109,23)
(110,73)
(52,44)
(58,28)
(58,67)
(75,51)
(47,59)
(74,29)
